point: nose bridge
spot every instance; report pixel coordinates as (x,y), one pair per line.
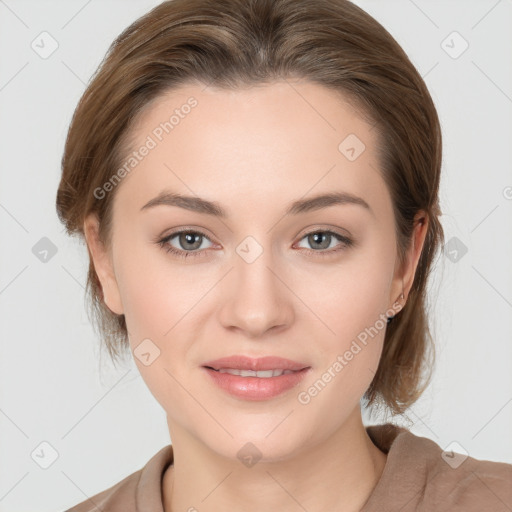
(257,298)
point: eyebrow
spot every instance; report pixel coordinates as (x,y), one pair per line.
(199,205)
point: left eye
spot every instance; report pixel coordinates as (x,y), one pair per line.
(191,241)
(320,237)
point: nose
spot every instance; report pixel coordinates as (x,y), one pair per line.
(256,297)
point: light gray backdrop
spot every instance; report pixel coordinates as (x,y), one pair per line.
(98,424)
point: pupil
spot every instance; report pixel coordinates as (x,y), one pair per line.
(318,238)
(189,238)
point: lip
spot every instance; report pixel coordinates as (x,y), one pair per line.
(255,388)
(262,363)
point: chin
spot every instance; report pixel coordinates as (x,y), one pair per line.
(261,442)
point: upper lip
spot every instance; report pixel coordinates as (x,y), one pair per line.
(240,362)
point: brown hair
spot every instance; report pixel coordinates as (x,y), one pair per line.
(235,43)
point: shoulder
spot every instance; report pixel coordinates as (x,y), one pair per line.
(140,490)
(119,497)
(430,478)
(459,480)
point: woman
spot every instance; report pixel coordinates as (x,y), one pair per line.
(257,183)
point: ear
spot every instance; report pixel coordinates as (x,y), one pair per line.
(404,276)
(103,265)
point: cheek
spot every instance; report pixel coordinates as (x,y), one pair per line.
(156,310)
(149,306)
(162,300)
(349,297)
(156,291)
(348,353)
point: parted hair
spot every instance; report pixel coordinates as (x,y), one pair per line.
(238,43)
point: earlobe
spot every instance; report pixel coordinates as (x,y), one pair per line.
(103,265)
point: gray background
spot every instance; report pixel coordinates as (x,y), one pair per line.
(56,386)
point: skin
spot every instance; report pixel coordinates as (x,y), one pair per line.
(254,151)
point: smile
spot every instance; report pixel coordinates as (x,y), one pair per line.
(262,374)
(255,385)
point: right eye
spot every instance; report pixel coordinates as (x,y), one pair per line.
(185,237)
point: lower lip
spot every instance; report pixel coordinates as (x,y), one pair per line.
(256,388)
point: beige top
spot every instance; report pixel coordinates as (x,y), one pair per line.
(418,476)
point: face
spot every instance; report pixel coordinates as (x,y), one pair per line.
(279,274)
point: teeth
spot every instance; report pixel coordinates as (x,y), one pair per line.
(265,374)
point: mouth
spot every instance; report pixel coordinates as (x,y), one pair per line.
(261,365)
(261,374)
(256,379)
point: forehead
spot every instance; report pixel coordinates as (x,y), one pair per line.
(281,140)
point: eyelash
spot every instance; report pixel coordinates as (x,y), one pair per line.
(346,243)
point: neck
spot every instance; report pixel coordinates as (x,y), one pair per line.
(337,474)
